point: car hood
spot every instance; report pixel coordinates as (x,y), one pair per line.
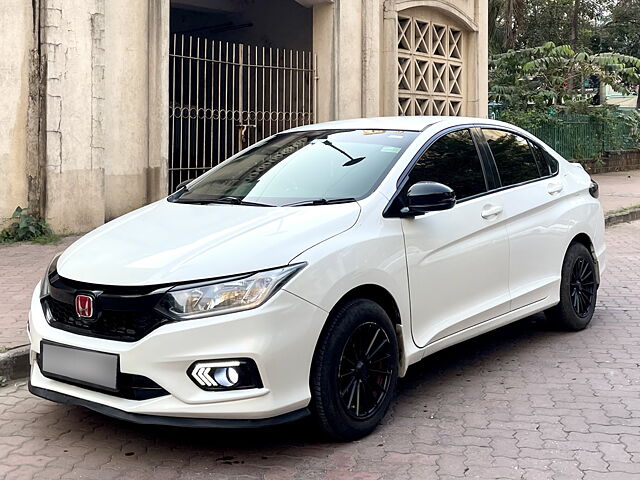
(171,242)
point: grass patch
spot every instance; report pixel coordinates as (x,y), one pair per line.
(622,211)
(3,349)
(52,238)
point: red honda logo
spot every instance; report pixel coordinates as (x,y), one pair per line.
(84,306)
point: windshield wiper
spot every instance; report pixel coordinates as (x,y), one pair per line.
(320,201)
(224,201)
(239,201)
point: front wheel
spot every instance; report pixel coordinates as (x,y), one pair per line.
(355,370)
(578,290)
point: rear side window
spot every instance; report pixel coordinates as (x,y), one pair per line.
(514,158)
(548,164)
(452,160)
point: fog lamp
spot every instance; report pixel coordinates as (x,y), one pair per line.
(219,375)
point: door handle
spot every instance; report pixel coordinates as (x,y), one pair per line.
(555,187)
(491,211)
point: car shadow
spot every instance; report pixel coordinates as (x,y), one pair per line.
(452,365)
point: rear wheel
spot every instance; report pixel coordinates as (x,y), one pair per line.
(578,290)
(355,370)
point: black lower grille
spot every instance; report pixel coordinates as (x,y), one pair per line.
(117,314)
(131,387)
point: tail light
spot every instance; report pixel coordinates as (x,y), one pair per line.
(594,190)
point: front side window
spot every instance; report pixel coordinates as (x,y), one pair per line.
(513,156)
(318,165)
(454,161)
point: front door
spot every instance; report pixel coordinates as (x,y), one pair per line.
(457,259)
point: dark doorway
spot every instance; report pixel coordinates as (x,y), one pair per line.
(239,71)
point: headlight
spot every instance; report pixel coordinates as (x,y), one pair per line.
(226,296)
(44,284)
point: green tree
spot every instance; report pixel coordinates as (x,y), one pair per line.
(528,23)
(621,31)
(557,75)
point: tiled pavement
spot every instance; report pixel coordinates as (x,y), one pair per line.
(525,401)
(21,268)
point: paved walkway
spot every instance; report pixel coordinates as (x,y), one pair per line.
(619,189)
(21,268)
(22,265)
(523,402)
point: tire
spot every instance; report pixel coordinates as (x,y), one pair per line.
(578,290)
(350,394)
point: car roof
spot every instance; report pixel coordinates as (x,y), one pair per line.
(412,123)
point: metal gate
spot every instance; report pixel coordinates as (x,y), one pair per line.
(225,96)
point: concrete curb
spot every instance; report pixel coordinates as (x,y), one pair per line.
(15,362)
(616,218)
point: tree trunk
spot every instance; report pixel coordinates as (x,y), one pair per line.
(575,24)
(509,27)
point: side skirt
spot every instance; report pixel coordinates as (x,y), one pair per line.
(481,328)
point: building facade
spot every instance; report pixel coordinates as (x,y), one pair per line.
(109,104)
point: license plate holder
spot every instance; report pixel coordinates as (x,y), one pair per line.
(80,366)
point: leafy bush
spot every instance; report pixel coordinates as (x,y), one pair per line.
(27,227)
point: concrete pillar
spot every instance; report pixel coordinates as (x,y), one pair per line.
(126,106)
(389,59)
(346,39)
(158,99)
(324,48)
(73,49)
(106,108)
(372,45)
(17,31)
(482,18)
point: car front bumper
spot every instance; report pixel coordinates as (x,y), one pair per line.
(279,336)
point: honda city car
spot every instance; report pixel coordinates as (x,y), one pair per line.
(306,273)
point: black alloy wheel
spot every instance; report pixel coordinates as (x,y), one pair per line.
(578,290)
(583,287)
(354,370)
(365,370)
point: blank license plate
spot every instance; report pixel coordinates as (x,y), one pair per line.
(79,366)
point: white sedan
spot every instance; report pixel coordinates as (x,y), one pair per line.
(306,273)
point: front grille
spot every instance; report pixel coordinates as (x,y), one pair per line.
(118,315)
(113,325)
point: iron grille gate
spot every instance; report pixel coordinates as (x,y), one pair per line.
(225,96)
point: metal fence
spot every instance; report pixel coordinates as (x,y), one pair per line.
(224,97)
(581,137)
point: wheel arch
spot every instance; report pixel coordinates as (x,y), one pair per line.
(375,293)
(384,298)
(584,239)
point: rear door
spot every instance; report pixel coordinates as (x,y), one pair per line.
(533,195)
(457,259)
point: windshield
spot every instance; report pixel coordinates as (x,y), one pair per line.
(310,167)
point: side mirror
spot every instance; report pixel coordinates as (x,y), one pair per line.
(424,197)
(182,184)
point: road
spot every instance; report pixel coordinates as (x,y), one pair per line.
(525,401)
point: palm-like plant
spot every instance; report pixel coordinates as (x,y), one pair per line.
(546,74)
